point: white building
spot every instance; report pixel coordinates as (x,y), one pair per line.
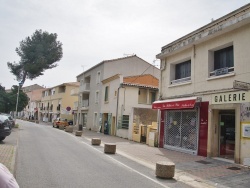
(90,108)
(121,96)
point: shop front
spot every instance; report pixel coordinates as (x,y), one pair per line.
(184,125)
(228,113)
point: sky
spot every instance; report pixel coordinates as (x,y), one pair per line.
(95,30)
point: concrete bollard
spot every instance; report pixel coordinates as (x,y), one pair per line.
(165,169)
(110,148)
(78,133)
(96,141)
(69,129)
(61,127)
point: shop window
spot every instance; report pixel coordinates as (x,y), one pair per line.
(182,130)
(223,62)
(182,72)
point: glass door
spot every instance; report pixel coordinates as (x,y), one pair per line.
(227,136)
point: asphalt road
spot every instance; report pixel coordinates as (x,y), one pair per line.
(48,157)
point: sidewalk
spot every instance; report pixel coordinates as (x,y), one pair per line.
(8,149)
(196,171)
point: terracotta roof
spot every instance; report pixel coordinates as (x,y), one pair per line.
(145,80)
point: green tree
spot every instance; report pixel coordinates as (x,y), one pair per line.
(38,53)
(23,99)
(3,97)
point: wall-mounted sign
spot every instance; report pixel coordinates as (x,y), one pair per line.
(231,97)
(246,130)
(241,85)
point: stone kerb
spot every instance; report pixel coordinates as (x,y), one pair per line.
(96,141)
(109,148)
(61,127)
(69,129)
(78,133)
(165,169)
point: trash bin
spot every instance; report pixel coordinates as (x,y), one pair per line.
(80,127)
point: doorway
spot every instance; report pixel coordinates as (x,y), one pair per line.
(227,135)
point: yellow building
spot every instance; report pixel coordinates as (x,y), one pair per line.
(57,102)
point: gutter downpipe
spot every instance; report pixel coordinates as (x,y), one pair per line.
(117,105)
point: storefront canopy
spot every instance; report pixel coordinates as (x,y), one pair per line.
(181,103)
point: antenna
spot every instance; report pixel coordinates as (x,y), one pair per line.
(83,67)
(154,62)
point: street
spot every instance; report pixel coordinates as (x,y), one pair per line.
(49,157)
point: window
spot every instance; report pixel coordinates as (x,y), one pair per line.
(152,97)
(98,78)
(223,61)
(182,72)
(106,97)
(96,96)
(125,122)
(95,119)
(53,92)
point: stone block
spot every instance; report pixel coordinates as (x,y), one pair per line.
(78,133)
(109,148)
(165,169)
(69,129)
(61,127)
(96,141)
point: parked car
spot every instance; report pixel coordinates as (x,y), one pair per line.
(5,127)
(58,121)
(11,119)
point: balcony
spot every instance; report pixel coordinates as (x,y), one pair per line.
(74,92)
(85,104)
(85,88)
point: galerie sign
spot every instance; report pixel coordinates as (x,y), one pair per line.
(231,97)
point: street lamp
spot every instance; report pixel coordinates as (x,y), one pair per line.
(19,85)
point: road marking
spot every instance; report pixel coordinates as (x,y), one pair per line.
(155,181)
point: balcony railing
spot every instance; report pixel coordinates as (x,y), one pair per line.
(187,79)
(74,92)
(222,71)
(85,103)
(85,88)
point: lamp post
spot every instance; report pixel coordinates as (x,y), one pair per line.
(19,85)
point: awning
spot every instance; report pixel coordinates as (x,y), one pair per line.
(181,103)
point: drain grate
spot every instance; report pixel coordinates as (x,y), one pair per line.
(234,168)
(203,162)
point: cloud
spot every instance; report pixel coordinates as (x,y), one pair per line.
(96,30)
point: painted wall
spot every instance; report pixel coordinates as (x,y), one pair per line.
(245,140)
(201,64)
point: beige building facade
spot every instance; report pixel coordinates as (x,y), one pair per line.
(205,76)
(57,102)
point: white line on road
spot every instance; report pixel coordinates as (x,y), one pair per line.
(128,166)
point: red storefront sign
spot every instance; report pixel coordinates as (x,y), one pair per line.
(175,104)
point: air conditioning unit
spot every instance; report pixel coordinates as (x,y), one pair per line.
(221,71)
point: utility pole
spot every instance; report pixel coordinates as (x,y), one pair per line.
(19,85)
